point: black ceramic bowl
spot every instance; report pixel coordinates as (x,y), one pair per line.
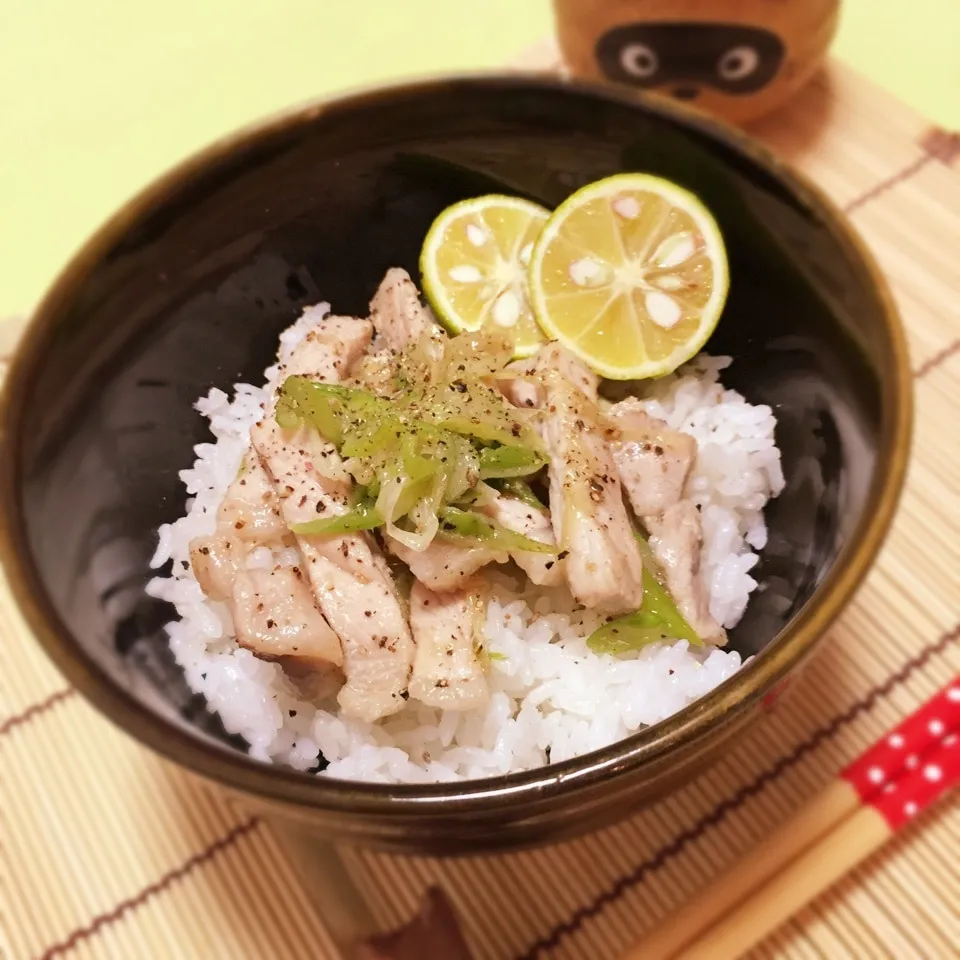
(188,286)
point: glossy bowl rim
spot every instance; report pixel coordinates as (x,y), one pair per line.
(690,727)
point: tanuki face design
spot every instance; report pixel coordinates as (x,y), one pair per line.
(737,59)
(685,59)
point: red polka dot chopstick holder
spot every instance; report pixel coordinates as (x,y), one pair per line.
(914,763)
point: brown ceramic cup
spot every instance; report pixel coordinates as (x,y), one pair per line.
(735,59)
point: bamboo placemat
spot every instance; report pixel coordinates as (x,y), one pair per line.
(109,852)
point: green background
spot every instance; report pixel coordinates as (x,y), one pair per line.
(97,96)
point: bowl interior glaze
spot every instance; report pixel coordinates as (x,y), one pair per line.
(189,286)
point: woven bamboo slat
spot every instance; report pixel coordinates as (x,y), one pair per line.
(109,852)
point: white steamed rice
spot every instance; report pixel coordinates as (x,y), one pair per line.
(551,697)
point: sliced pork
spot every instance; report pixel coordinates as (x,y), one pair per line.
(444,565)
(250,510)
(590,521)
(654,461)
(349,577)
(276,617)
(676,539)
(543,569)
(448,628)
(397,314)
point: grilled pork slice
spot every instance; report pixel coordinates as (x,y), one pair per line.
(448,629)
(654,461)
(676,539)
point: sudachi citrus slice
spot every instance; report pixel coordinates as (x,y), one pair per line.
(474,266)
(630,273)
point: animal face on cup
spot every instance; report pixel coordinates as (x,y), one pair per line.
(735,59)
(692,60)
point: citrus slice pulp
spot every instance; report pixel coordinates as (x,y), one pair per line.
(474,267)
(630,274)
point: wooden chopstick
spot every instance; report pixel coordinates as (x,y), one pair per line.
(814,848)
(835,804)
(832,857)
